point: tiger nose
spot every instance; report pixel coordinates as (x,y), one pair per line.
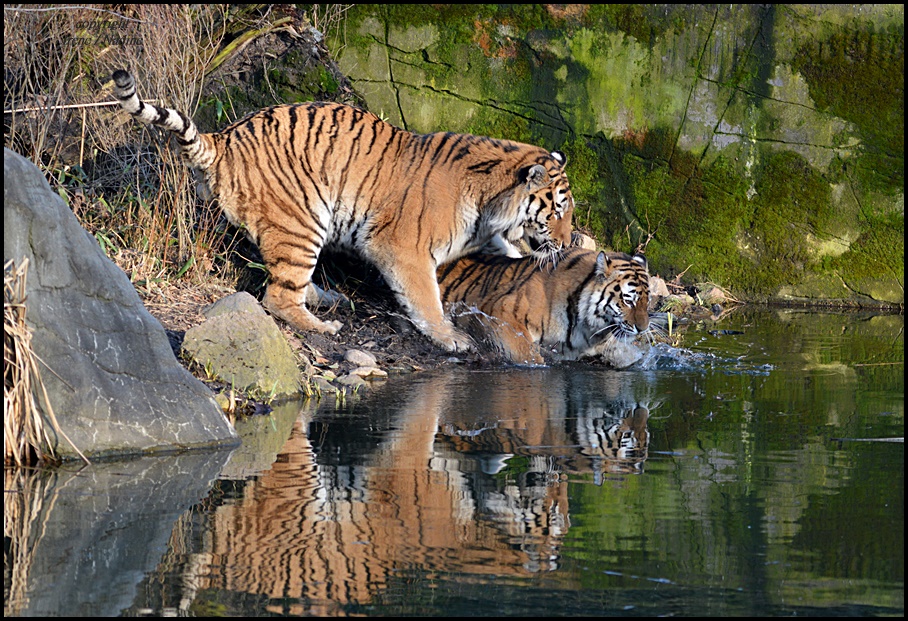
(565,229)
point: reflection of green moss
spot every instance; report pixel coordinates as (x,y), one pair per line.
(859,76)
(206,604)
(514,467)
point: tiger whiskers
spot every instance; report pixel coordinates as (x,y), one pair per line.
(548,256)
(620,331)
(660,332)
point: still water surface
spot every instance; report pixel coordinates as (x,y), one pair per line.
(749,472)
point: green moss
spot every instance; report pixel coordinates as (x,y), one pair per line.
(793,199)
(878,252)
(704,217)
(701,223)
(859,76)
(640,193)
(585,79)
(792,203)
(697,219)
(587,185)
(498,124)
(637,20)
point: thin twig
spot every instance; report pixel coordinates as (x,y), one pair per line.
(877,364)
(99,104)
(75,8)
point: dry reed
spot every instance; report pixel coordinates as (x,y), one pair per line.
(26,407)
(126,183)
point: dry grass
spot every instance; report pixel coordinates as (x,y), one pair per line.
(27,411)
(125,182)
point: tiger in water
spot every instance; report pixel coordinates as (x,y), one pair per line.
(575,308)
(300,178)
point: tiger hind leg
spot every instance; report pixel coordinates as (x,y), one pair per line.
(288,304)
(290,288)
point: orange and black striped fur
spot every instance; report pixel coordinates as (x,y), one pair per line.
(303,177)
(564,311)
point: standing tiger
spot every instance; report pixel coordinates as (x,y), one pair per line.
(306,176)
(568,310)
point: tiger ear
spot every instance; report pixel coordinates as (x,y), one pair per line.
(536,176)
(639,258)
(559,157)
(602,262)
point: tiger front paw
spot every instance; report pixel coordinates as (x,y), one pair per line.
(455,342)
(330,327)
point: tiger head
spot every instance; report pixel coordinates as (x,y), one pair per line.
(615,300)
(546,206)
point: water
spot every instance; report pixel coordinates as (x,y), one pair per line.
(750,472)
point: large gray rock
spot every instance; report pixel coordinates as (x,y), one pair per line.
(112,379)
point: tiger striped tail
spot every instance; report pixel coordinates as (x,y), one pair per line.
(194,149)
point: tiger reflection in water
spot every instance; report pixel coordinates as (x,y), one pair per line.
(601,429)
(616,442)
(353,501)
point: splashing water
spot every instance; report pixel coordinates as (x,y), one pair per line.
(664,357)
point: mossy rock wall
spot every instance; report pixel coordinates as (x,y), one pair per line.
(758,147)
